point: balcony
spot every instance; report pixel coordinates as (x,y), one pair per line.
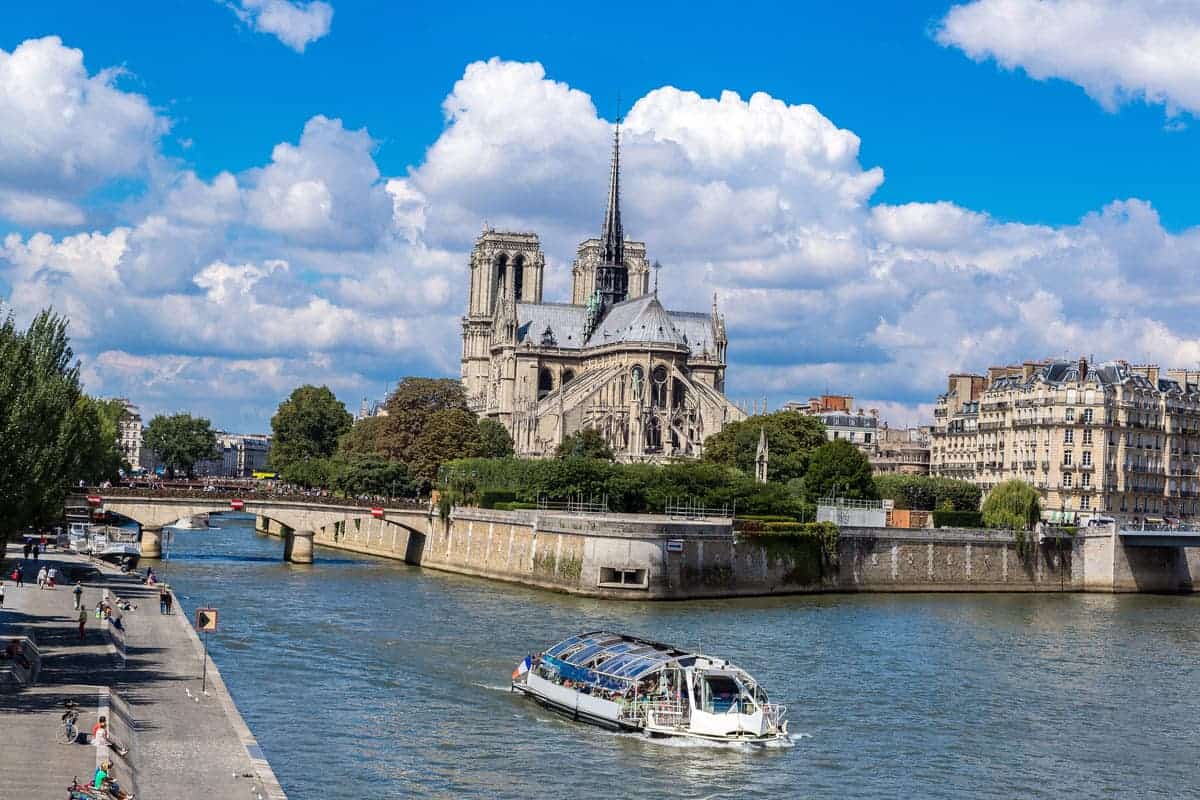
(1086,467)
(1045,465)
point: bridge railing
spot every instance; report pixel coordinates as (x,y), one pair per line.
(254,495)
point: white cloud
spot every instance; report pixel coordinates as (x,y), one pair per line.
(1116,50)
(314,266)
(66,133)
(294,22)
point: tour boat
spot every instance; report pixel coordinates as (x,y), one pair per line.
(79,537)
(629,684)
(118,546)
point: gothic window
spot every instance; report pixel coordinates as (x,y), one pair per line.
(568,376)
(659,389)
(678,393)
(518,267)
(653,435)
(545,382)
(501,276)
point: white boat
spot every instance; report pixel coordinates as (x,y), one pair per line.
(198,522)
(120,546)
(79,537)
(630,684)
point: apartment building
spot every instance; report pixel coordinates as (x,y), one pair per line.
(129,434)
(842,421)
(1114,438)
(902,451)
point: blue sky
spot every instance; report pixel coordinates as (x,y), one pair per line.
(1005,132)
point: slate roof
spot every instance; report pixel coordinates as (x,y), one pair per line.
(642,319)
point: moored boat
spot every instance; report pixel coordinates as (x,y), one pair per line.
(629,684)
(120,546)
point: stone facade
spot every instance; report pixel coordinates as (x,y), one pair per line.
(1115,438)
(651,381)
(901,451)
(129,431)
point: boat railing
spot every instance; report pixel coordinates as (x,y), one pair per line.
(666,715)
(774,712)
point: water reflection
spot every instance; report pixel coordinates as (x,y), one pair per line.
(363,676)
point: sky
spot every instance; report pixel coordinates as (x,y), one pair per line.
(230,199)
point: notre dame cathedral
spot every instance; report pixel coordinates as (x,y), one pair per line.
(651,381)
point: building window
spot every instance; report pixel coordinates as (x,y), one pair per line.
(1085,502)
(1087,458)
(1067,457)
(1069,436)
(1085,480)
(545,382)
(1066,480)
(1087,436)
(1087,415)
(1070,415)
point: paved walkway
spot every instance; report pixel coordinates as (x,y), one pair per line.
(184,744)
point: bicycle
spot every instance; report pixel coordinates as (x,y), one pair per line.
(68,733)
(82,791)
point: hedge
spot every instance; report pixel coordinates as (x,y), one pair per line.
(514,506)
(957,519)
(924,493)
(492,498)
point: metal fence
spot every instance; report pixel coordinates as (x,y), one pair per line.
(575,505)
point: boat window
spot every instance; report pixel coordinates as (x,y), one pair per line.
(563,645)
(718,693)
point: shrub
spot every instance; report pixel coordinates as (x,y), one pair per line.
(957,519)
(492,498)
(1013,505)
(924,493)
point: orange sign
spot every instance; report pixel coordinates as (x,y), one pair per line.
(206,619)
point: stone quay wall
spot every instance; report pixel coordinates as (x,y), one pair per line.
(645,557)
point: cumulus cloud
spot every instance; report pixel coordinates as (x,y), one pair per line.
(295,23)
(66,133)
(1116,50)
(314,266)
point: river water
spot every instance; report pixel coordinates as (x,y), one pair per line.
(365,678)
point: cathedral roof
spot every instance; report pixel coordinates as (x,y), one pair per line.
(642,319)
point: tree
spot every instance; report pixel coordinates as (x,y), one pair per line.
(307,425)
(925,493)
(311,473)
(181,440)
(1013,505)
(494,441)
(840,469)
(584,443)
(39,387)
(790,436)
(93,431)
(447,434)
(363,438)
(373,475)
(409,409)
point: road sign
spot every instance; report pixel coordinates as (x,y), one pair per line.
(237,505)
(206,619)
(94,499)
(377,512)
(675,545)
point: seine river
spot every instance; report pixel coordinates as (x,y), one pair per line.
(367,678)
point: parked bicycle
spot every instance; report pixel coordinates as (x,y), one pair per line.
(83,791)
(68,733)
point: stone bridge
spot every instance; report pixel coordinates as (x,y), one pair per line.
(295,520)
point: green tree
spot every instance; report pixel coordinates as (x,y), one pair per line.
(39,387)
(306,426)
(410,407)
(1012,505)
(925,493)
(840,469)
(373,475)
(584,443)
(790,436)
(447,434)
(181,440)
(494,441)
(363,438)
(311,473)
(94,451)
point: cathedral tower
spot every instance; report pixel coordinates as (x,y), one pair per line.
(612,276)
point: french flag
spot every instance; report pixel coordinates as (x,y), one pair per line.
(522,668)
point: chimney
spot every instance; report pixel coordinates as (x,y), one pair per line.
(1027,371)
(1152,374)
(1083,369)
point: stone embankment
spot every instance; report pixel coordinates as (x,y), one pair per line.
(146,679)
(659,557)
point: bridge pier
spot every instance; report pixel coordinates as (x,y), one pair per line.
(298,548)
(151,544)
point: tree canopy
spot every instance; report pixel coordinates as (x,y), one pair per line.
(925,493)
(791,437)
(306,426)
(94,451)
(494,441)
(839,469)
(584,443)
(373,475)
(180,440)
(1013,505)
(448,433)
(409,409)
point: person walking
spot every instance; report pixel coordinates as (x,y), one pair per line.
(83,614)
(78,592)
(41,578)
(1,593)
(52,577)
(19,576)
(163,599)
(35,551)
(28,547)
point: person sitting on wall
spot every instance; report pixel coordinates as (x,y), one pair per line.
(102,737)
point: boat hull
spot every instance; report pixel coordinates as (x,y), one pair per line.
(574,712)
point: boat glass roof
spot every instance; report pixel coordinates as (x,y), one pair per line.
(613,654)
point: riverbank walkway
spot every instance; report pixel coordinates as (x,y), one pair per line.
(183,744)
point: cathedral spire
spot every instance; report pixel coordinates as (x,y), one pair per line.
(612,237)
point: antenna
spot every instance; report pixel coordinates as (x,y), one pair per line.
(656,266)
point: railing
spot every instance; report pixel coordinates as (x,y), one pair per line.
(774,713)
(690,509)
(665,714)
(575,505)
